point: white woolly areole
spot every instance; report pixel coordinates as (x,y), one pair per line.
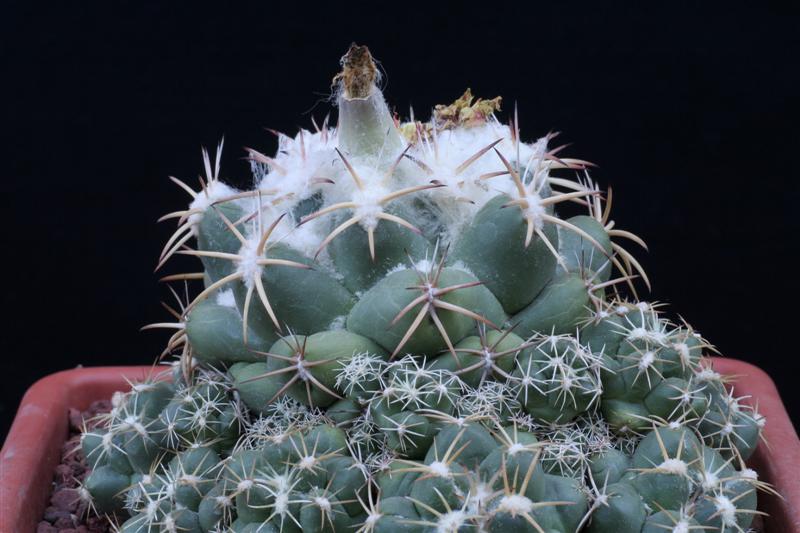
(323,503)
(247,264)
(169,525)
(749,474)
(535,210)
(478,497)
(225,298)
(423,265)
(683,351)
(515,504)
(673,466)
(681,527)
(367,202)
(439,468)
(637,333)
(338,323)
(152,509)
(215,191)
(298,162)
(307,463)
(726,510)
(451,521)
(709,480)
(281,503)
(515,448)
(223,501)
(707,374)
(648,358)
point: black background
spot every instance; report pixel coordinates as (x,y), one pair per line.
(691,114)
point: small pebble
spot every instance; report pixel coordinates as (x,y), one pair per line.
(65,499)
(65,522)
(51,514)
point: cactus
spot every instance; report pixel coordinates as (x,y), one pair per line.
(399,330)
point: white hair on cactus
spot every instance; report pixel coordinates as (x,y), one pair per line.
(439,469)
(338,323)
(647,360)
(214,192)
(749,474)
(726,510)
(452,521)
(674,466)
(247,264)
(424,265)
(368,198)
(681,527)
(515,504)
(300,167)
(707,374)
(225,298)
(709,480)
(478,497)
(515,448)
(462,159)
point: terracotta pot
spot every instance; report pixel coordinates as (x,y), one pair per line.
(32,448)
(777,458)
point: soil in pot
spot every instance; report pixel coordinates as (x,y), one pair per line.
(66,511)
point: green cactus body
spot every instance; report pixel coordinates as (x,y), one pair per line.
(393,245)
(601,333)
(375,314)
(621,510)
(413,326)
(217,335)
(609,465)
(476,441)
(309,300)
(477,358)
(399,515)
(558,309)
(106,486)
(662,468)
(493,244)
(397,479)
(194,471)
(580,254)
(448,481)
(215,507)
(213,235)
(673,521)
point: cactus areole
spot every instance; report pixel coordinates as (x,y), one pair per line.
(398,329)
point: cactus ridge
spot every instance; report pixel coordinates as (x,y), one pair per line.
(418,326)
